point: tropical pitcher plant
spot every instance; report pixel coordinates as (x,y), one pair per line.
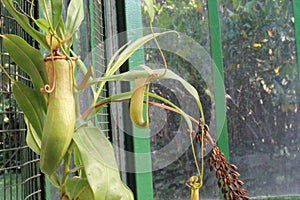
(56,127)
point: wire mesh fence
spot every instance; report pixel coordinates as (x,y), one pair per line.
(20,177)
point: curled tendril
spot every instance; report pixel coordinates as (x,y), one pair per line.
(48,88)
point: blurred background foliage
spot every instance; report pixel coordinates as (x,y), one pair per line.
(260,58)
(262,88)
(262,93)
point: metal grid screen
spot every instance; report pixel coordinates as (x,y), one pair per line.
(99,58)
(90,47)
(19,171)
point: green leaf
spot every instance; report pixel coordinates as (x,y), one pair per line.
(97,155)
(78,163)
(116,97)
(27,57)
(62,28)
(183,114)
(28,100)
(132,75)
(75,16)
(42,24)
(33,139)
(54,180)
(150,9)
(24,23)
(52,8)
(79,188)
(121,56)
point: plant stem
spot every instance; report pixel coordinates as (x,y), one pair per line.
(66,168)
(86,113)
(77,105)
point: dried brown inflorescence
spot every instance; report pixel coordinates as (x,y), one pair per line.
(228,177)
(203,128)
(226,173)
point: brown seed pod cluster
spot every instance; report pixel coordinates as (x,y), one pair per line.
(228,177)
(202,129)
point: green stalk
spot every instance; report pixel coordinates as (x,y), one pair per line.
(77,105)
(66,168)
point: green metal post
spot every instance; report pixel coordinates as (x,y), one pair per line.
(141,141)
(216,54)
(296,5)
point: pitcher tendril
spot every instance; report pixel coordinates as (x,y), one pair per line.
(50,88)
(47,88)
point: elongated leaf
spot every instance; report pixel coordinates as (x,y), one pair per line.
(86,79)
(100,166)
(32,138)
(127,95)
(42,24)
(119,60)
(24,23)
(150,9)
(187,86)
(78,162)
(131,75)
(78,188)
(54,180)
(117,97)
(115,55)
(120,57)
(75,16)
(54,10)
(27,57)
(28,100)
(183,114)
(62,29)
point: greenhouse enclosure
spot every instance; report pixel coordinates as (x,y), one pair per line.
(212,76)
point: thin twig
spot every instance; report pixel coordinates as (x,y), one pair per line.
(86,113)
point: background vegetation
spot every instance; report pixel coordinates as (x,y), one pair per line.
(260,68)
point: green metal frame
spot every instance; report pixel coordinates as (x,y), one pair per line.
(296,5)
(216,55)
(141,143)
